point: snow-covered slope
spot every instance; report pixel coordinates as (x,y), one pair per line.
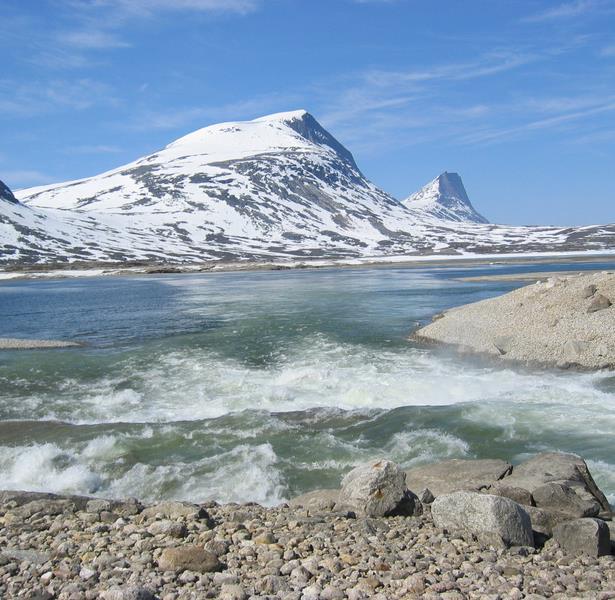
(276,187)
(444,198)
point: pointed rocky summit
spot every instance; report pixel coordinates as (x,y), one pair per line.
(445,198)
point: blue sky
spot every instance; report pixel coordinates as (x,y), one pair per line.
(517,96)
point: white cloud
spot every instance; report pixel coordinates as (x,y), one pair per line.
(37,98)
(143,8)
(547,123)
(93,149)
(567,10)
(91,39)
(24,178)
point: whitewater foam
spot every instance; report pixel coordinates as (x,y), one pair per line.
(195,384)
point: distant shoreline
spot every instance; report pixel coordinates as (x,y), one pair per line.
(97,269)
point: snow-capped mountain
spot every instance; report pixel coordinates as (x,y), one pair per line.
(276,187)
(444,198)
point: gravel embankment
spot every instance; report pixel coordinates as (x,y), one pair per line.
(73,548)
(564,322)
(20,344)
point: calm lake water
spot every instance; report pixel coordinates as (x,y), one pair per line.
(259,386)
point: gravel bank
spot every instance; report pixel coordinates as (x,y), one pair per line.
(73,548)
(563,321)
(20,344)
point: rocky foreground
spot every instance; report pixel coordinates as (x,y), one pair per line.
(563,321)
(486,530)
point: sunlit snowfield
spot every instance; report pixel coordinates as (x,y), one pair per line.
(258,386)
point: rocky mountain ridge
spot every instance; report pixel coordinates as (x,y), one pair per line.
(275,188)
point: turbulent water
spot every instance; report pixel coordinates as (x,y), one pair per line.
(258,386)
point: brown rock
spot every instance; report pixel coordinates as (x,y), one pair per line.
(191,558)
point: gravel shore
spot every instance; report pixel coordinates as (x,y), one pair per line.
(20,344)
(74,547)
(563,321)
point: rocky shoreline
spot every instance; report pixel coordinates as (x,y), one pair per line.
(566,322)
(486,530)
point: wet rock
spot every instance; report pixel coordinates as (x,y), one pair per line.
(482,514)
(589,537)
(456,474)
(374,489)
(191,558)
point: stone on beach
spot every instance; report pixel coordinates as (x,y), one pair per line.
(599,302)
(317,500)
(583,537)
(175,510)
(188,558)
(374,489)
(456,474)
(127,593)
(568,470)
(479,514)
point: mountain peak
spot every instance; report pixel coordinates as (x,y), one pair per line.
(445,197)
(284,131)
(291,115)
(6,194)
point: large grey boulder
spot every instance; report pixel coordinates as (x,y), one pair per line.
(560,497)
(517,494)
(456,474)
(480,514)
(570,471)
(374,489)
(583,537)
(316,500)
(544,521)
